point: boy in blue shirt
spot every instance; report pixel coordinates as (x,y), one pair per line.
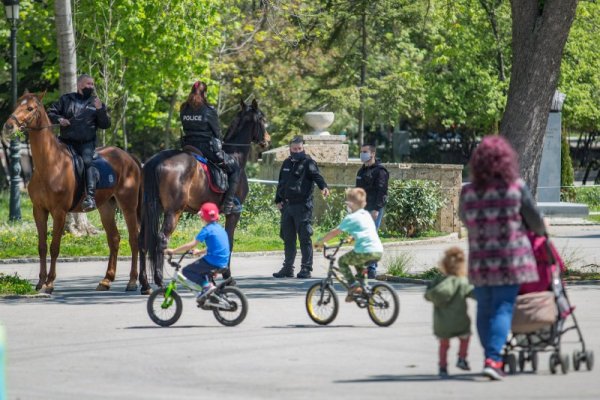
(368,248)
(217,251)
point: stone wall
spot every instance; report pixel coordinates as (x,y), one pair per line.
(331,155)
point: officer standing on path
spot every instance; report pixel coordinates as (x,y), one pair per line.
(373,178)
(80,114)
(294,198)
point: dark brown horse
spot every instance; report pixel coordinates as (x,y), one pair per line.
(53,186)
(174,182)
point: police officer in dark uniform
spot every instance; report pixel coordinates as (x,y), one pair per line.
(80,114)
(373,178)
(201,129)
(294,197)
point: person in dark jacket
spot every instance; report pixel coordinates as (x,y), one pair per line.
(294,197)
(80,114)
(201,129)
(373,178)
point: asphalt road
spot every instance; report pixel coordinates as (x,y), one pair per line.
(82,344)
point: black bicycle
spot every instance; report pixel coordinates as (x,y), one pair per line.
(322,304)
(228,303)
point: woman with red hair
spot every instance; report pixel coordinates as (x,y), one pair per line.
(498,210)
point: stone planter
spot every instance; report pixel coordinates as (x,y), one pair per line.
(319,121)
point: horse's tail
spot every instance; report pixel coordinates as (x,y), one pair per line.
(152,214)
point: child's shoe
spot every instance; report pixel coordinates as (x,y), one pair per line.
(463,364)
(493,369)
(443,372)
(203,295)
(353,291)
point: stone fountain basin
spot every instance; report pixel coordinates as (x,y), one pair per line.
(319,120)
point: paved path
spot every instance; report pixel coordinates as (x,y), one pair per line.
(83,344)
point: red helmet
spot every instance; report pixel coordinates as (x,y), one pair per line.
(209,212)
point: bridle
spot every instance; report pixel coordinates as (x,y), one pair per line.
(24,126)
(254,139)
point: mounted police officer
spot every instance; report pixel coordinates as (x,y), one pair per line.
(80,114)
(373,178)
(201,129)
(294,197)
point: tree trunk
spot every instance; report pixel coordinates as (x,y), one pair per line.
(363,78)
(539,34)
(77,224)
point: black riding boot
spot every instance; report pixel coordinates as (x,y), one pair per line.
(229,206)
(91,178)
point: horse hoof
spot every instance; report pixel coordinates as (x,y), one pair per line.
(146,291)
(102,288)
(131,287)
(46,289)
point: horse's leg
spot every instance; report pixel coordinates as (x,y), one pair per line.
(146,289)
(169,224)
(107,216)
(41,222)
(131,219)
(231,222)
(58,227)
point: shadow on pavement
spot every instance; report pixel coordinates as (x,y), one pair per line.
(416,378)
(315,326)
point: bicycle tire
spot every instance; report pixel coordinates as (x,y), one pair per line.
(330,304)
(383,300)
(158,314)
(233,294)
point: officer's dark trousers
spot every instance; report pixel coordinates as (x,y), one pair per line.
(86,151)
(296,222)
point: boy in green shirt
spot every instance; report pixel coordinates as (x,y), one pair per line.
(368,248)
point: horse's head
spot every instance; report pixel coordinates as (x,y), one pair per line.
(27,111)
(252,121)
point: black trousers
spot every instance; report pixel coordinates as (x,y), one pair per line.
(296,220)
(86,151)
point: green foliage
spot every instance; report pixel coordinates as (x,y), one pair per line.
(566,171)
(399,265)
(589,196)
(412,207)
(335,210)
(259,206)
(13,284)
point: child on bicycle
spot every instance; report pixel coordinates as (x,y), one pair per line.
(450,318)
(217,251)
(367,249)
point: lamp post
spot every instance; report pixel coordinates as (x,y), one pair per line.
(12,14)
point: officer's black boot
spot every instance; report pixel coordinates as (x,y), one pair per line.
(89,203)
(229,206)
(284,272)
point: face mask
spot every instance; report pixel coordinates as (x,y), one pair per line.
(298,156)
(87,92)
(365,156)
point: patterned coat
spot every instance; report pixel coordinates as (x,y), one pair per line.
(497,219)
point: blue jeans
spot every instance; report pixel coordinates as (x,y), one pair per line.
(373,266)
(494,317)
(199,271)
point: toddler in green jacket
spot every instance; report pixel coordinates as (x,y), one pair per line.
(450,317)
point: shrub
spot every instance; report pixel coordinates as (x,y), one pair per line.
(589,196)
(566,171)
(412,207)
(398,265)
(13,284)
(335,210)
(259,205)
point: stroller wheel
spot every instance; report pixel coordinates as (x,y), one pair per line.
(521,361)
(577,357)
(589,360)
(553,362)
(564,363)
(534,361)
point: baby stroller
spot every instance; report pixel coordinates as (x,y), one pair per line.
(541,317)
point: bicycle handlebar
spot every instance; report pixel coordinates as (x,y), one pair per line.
(178,263)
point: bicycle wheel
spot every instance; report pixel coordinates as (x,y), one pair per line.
(384,305)
(238,306)
(164,311)
(322,312)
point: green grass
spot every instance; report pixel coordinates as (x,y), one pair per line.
(12,284)
(594,218)
(20,239)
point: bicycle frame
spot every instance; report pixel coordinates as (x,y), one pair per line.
(178,277)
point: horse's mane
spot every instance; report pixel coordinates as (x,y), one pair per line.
(232,129)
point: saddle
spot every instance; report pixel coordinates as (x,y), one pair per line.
(217,177)
(106,179)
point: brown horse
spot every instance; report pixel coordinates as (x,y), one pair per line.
(174,183)
(53,186)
